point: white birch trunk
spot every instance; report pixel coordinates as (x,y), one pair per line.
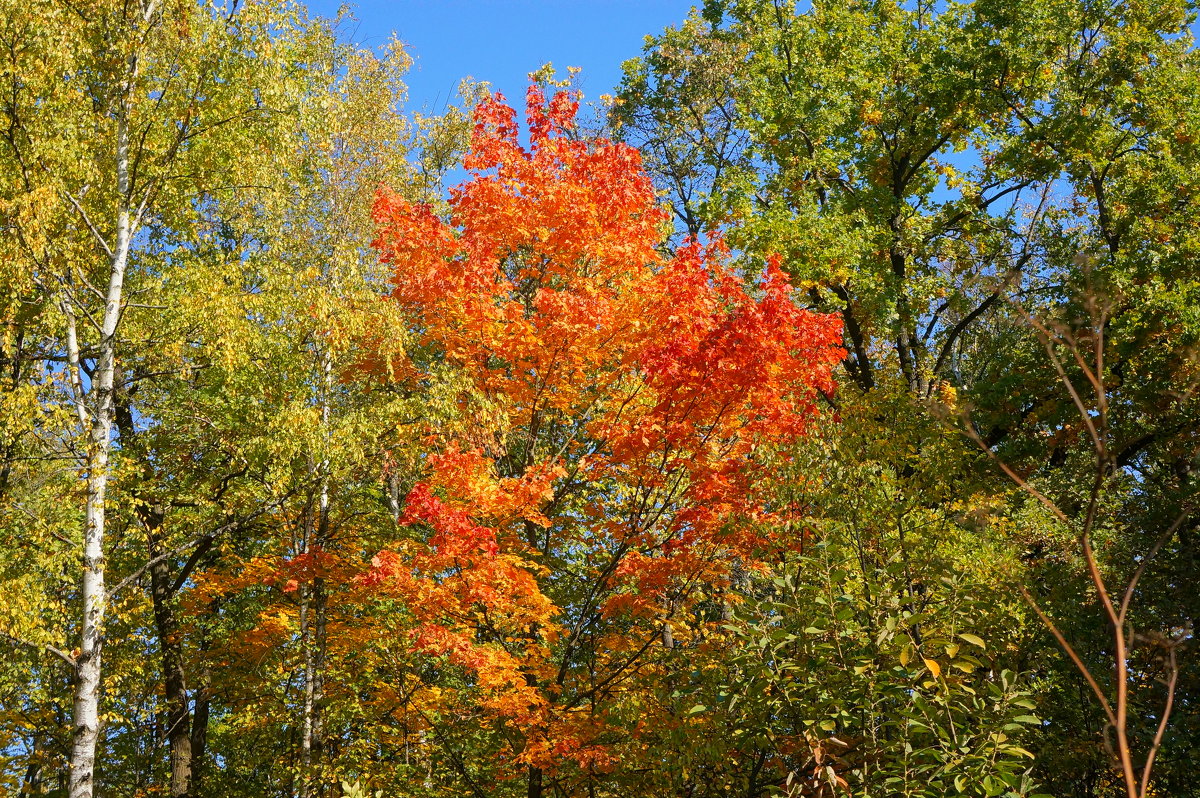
(85,722)
(312,609)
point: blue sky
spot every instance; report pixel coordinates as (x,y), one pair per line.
(501,41)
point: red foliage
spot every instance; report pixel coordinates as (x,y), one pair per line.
(634,389)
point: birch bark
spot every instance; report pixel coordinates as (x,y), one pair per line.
(85,723)
(98,409)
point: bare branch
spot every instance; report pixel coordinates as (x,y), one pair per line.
(1137,575)
(87,220)
(1172,680)
(46,647)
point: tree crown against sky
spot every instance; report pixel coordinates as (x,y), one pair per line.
(881,483)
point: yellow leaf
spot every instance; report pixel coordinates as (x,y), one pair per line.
(974,640)
(934,668)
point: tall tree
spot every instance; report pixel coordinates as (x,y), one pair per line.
(627,399)
(939,174)
(284,430)
(125,123)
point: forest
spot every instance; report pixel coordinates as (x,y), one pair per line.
(813,415)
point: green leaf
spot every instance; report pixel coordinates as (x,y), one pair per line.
(974,640)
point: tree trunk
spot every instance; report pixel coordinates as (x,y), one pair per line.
(163,587)
(313,600)
(535,782)
(179,715)
(85,721)
(312,621)
(202,700)
(31,784)
(86,708)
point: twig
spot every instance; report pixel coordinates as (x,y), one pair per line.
(58,652)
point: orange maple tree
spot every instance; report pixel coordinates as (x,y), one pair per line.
(630,396)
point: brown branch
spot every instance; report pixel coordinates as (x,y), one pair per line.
(1048,343)
(1137,575)
(1172,680)
(1075,658)
(46,647)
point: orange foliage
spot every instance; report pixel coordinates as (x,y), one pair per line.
(637,390)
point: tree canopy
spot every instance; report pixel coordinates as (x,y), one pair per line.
(821,421)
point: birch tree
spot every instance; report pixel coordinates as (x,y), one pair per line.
(123,123)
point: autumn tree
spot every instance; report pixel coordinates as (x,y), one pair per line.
(295,444)
(1136,511)
(164,299)
(624,399)
(147,97)
(938,175)
(549,490)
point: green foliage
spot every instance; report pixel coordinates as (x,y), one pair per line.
(949,178)
(889,696)
(998,197)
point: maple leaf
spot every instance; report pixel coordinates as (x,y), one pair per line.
(636,389)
